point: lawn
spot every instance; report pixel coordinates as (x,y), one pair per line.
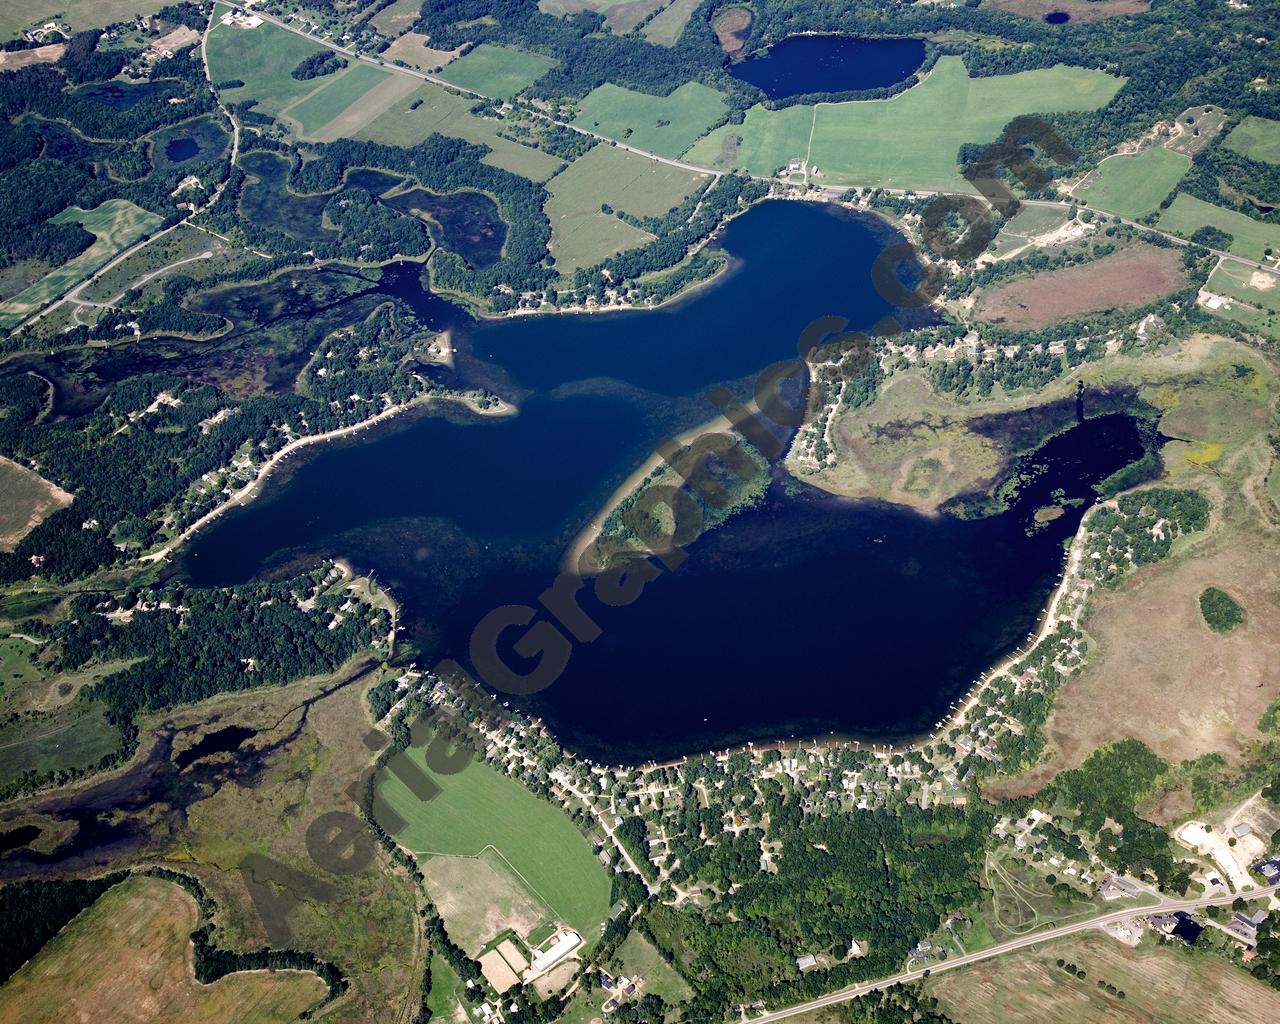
(1250,238)
(911,140)
(263,58)
(1159,983)
(637,957)
(479,808)
(117,224)
(449,114)
(128,958)
(340,91)
(581,233)
(77,736)
(498,71)
(25,499)
(667,125)
(1133,186)
(1258,138)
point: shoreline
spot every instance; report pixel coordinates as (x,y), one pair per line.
(247,493)
(1051,615)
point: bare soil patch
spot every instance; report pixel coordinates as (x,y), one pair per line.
(1124,280)
(25,58)
(732,28)
(1080,10)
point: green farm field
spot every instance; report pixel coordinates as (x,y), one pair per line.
(1133,186)
(498,71)
(479,808)
(262,58)
(117,224)
(668,25)
(911,140)
(341,92)
(1250,238)
(449,114)
(667,125)
(1258,138)
(581,234)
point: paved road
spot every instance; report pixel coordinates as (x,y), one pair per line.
(1165,906)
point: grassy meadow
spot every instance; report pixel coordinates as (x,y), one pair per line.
(1133,186)
(1258,138)
(128,958)
(581,234)
(439,110)
(498,71)
(911,140)
(1159,983)
(478,809)
(116,225)
(1250,238)
(667,125)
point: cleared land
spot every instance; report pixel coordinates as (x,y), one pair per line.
(1080,10)
(1257,138)
(637,957)
(911,140)
(25,498)
(1159,983)
(263,58)
(412,49)
(667,125)
(667,27)
(1250,238)
(449,114)
(497,70)
(1260,289)
(116,225)
(74,737)
(479,808)
(128,958)
(1133,186)
(1123,280)
(401,15)
(581,234)
(479,898)
(1157,674)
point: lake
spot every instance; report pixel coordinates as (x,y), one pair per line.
(806,615)
(799,65)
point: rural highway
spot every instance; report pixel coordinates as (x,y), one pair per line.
(1165,906)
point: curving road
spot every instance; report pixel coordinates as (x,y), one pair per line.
(1165,906)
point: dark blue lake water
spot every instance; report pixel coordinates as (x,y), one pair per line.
(806,615)
(822,63)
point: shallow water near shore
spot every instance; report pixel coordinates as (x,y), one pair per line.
(804,616)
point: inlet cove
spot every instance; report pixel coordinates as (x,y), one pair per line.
(461,514)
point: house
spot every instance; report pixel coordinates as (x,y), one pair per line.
(807,961)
